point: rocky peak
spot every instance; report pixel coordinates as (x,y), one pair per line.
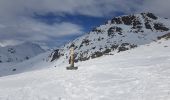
(118,34)
(137,21)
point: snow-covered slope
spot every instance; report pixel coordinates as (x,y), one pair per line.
(35,63)
(119,34)
(19,53)
(139,74)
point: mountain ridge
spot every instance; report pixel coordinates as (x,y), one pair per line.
(19,53)
(118,34)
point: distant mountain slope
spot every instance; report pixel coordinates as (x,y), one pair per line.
(34,63)
(118,34)
(19,53)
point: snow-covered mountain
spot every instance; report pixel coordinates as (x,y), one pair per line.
(119,34)
(142,73)
(139,74)
(116,35)
(19,53)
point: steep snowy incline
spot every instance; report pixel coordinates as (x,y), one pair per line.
(118,34)
(139,74)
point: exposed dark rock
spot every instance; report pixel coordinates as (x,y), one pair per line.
(56,55)
(112,30)
(100,49)
(97,54)
(161,27)
(136,22)
(147,21)
(72,45)
(75,47)
(93,47)
(151,15)
(126,46)
(133,46)
(96,30)
(85,41)
(122,48)
(26,57)
(106,51)
(14,69)
(148,26)
(166,36)
(120,33)
(80,46)
(128,19)
(114,47)
(116,21)
(99,39)
(137,26)
(143,15)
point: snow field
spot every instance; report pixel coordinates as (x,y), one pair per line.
(140,74)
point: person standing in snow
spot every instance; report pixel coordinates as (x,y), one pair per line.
(71,59)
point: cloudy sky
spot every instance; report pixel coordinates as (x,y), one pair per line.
(54,22)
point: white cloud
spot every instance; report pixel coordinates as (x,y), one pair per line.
(32,30)
(84,7)
(97,8)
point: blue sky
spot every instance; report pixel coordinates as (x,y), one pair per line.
(52,23)
(88,22)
